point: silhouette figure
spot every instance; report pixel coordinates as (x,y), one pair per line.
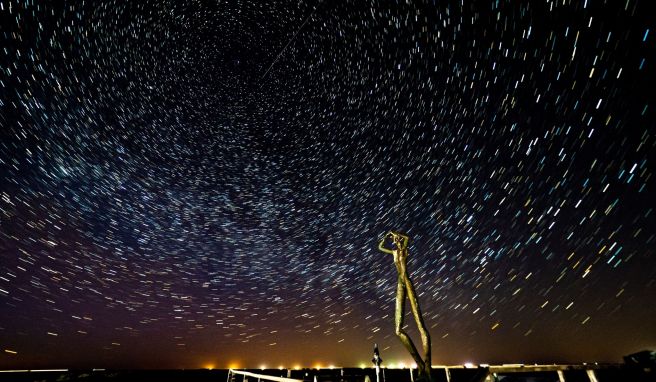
(404,287)
(377,361)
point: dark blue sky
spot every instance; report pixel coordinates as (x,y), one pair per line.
(183,185)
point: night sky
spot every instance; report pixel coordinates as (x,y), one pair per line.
(185,184)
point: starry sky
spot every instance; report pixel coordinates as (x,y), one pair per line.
(198,183)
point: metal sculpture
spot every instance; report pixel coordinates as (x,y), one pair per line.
(404,287)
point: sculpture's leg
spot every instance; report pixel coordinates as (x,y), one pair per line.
(425,367)
(398,319)
(416,312)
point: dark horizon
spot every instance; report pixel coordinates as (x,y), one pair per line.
(184,185)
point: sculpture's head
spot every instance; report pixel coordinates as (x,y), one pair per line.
(399,239)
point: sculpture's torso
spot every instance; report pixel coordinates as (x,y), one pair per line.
(400,256)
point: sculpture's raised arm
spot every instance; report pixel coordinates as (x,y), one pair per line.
(381,245)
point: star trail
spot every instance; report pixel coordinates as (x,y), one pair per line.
(206,182)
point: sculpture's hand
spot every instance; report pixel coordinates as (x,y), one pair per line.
(398,235)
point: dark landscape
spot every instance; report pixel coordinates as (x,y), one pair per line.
(527,373)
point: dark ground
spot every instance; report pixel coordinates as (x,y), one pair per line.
(573,374)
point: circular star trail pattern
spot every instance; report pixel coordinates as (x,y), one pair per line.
(185,183)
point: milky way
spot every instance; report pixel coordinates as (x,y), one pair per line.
(183,184)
